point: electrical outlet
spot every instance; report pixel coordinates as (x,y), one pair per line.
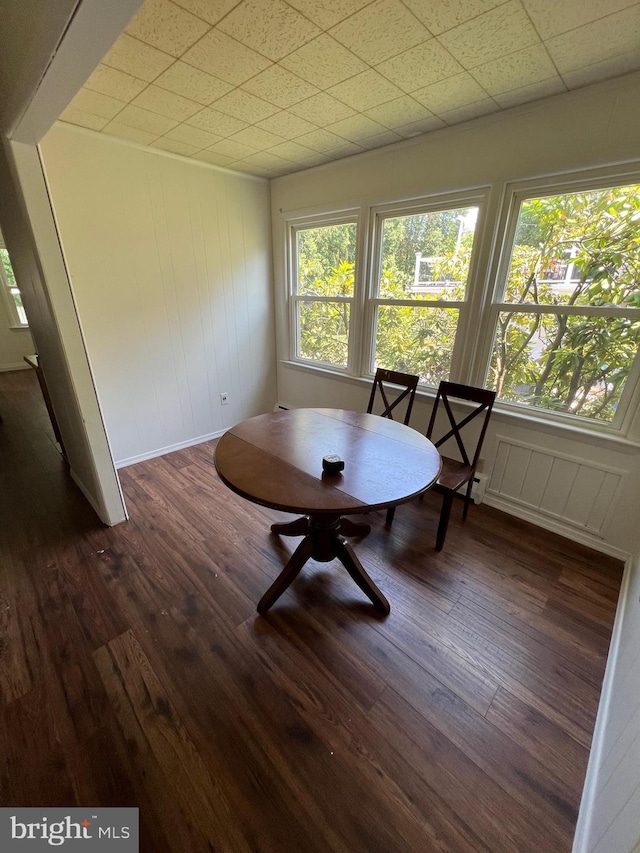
(224,398)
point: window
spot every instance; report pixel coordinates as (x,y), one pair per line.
(537,297)
(567,317)
(420,288)
(323,291)
(17,315)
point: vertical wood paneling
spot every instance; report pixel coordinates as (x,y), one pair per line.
(171,267)
(537,477)
(574,490)
(563,473)
(515,472)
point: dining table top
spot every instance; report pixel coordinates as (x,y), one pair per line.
(275,460)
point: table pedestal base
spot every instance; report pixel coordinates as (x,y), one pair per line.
(323,542)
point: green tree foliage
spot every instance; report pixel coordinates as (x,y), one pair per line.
(568,363)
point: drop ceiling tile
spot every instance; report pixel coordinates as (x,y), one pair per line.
(523,68)
(192,83)
(116,84)
(326,13)
(345,150)
(532,92)
(292,151)
(380,30)
(451,93)
(469,111)
(193,136)
(252,169)
(96,104)
(245,106)
(552,17)
(166,26)
(287,125)
(144,120)
(400,111)
(602,70)
(420,66)
(416,128)
(321,140)
(441,15)
(174,146)
(323,62)
(365,90)
(210,11)
(226,58)
(257,138)
(356,128)
(273,28)
(216,122)
(82,119)
(267,160)
(213,158)
(138,59)
(490,36)
(612,36)
(166,103)
(322,109)
(380,139)
(133,134)
(280,87)
(232,149)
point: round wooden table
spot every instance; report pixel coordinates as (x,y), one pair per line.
(276,460)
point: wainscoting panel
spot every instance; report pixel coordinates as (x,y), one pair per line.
(578,492)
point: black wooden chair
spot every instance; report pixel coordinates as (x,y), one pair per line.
(457,473)
(407,381)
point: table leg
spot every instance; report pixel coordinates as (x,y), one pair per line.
(347,556)
(299,527)
(290,572)
(323,543)
(353,528)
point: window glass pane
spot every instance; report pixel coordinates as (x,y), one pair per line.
(577,365)
(427,255)
(326,258)
(416,340)
(577,249)
(8,270)
(324,331)
(17,298)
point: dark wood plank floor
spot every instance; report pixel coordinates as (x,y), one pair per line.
(134,669)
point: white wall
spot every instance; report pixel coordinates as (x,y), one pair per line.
(170,264)
(608,821)
(588,128)
(32,241)
(14,343)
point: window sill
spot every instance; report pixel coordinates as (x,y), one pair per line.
(19,328)
(501,411)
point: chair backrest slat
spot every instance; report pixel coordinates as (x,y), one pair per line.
(392,377)
(484,400)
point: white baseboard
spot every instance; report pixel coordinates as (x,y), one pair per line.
(547,523)
(17,365)
(162,451)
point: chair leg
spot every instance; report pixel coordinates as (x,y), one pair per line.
(390,513)
(467,500)
(445,512)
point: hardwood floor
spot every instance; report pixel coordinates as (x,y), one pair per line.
(134,669)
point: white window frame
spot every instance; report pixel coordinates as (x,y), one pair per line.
(515,195)
(352,216)
(15,321)
(431,204)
